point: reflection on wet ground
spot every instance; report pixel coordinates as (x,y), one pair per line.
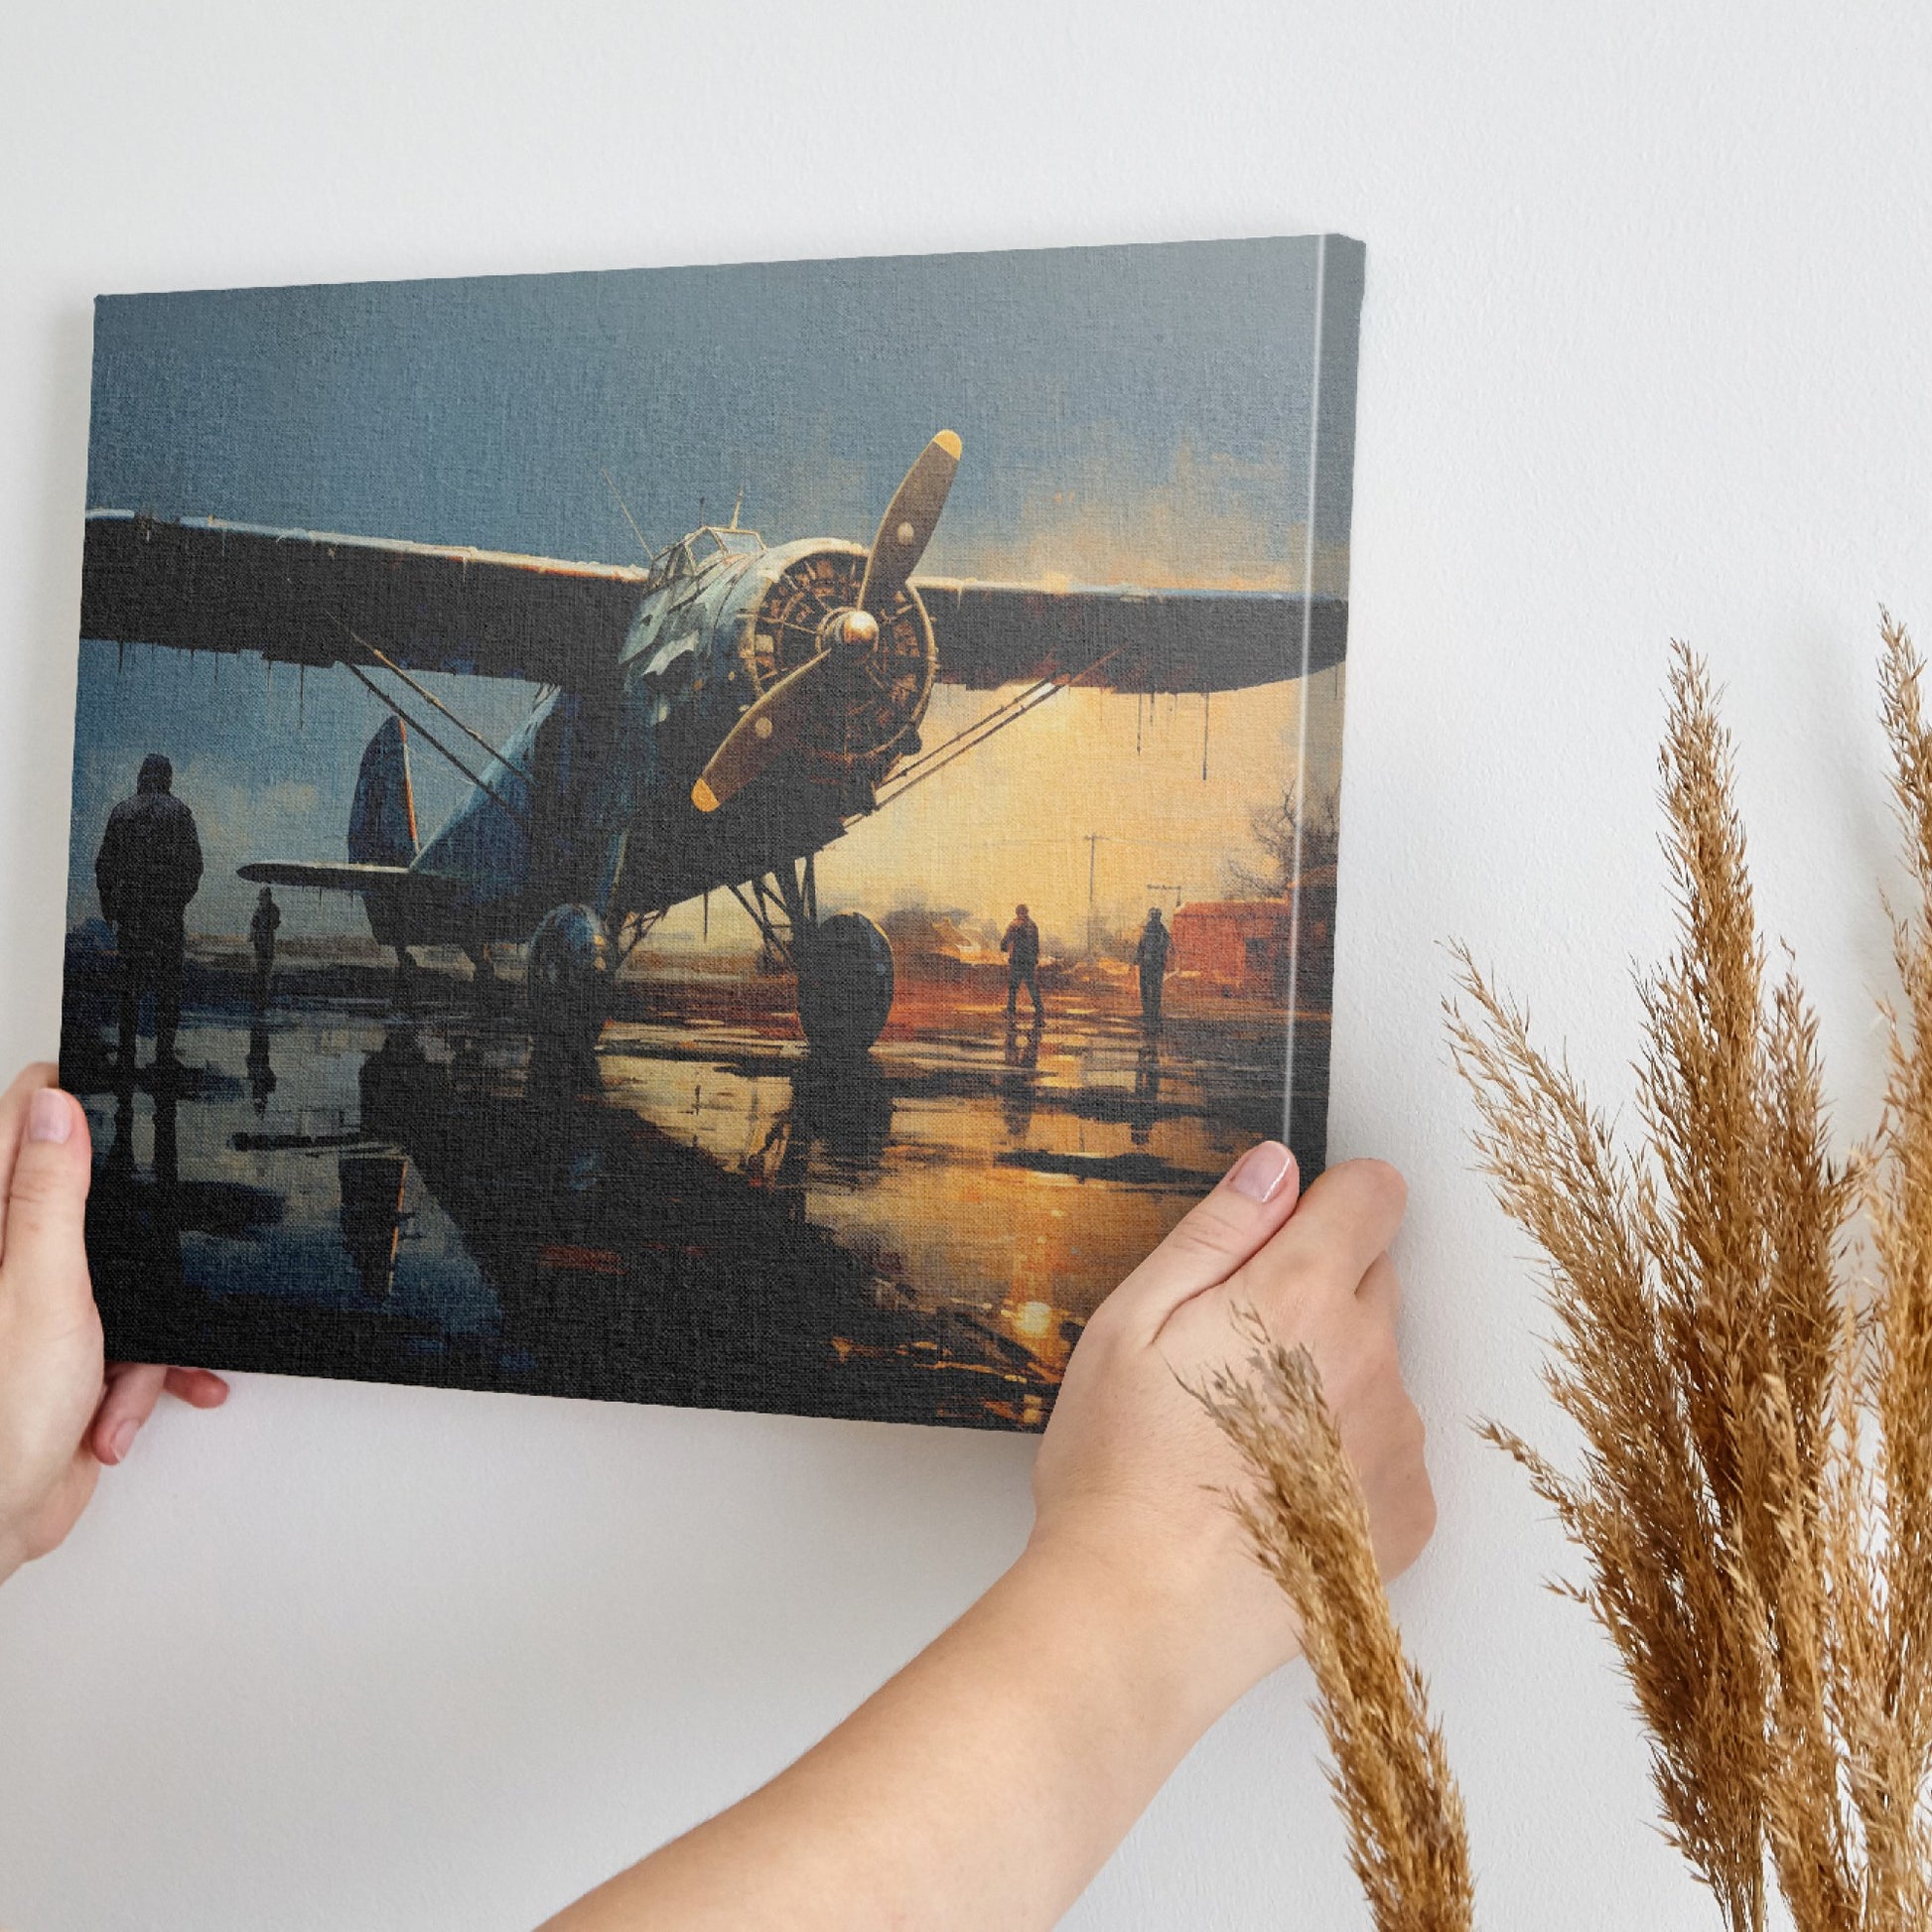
(702,1214)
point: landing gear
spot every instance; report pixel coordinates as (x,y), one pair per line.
(844,964)
(568,983)
(845,982)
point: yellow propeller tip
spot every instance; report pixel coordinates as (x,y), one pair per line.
(704,798)
(948,442)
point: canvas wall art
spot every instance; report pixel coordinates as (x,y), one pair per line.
(739,835)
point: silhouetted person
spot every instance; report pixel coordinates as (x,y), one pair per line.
(1022,948)
(1151,956)
(262,935)
(147,870)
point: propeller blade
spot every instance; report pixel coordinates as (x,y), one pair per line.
(777,721)
(907,525)
(771,724)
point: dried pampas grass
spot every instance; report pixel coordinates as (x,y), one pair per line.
(1755,1497)
(1308,1524)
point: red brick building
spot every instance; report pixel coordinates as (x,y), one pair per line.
(1245,946)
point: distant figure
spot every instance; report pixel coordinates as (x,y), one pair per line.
(1151,956)
(261,933)
(1022,948)
(147,870)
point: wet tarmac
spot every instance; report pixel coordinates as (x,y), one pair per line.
(702,1214)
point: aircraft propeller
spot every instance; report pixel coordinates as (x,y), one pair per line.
(778,718)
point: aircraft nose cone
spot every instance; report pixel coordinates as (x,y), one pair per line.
(859,630)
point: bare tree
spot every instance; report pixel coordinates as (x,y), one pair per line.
(1296,836)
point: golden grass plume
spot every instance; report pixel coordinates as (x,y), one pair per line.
(1753,1499)
(1307,1519)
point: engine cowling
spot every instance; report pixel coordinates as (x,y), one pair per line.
(873,693)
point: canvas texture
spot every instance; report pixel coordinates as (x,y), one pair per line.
(748,837)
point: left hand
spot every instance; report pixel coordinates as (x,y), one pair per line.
(64,1412)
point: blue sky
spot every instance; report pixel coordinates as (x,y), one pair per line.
(1128,414)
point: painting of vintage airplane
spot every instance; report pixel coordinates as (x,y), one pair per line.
(709,721)
(551,1135)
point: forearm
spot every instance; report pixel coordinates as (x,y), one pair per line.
(989,1780)
(984,1785)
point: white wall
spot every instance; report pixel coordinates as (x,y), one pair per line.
(1644,354)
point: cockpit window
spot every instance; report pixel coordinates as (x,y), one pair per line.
(705,544)
(701,547)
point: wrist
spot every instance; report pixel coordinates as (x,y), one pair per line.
(1165,1642)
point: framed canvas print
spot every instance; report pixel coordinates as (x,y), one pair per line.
(737,836)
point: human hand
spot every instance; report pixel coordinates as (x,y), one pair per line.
(1129,1479)
(63,1412)
(1132,1620)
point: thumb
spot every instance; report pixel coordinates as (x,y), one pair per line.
(43,1248)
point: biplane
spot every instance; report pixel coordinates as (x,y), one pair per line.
(711,719)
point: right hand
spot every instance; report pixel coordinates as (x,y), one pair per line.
(1132,1474)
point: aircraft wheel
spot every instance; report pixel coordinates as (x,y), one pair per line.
(845,982)
(568,981)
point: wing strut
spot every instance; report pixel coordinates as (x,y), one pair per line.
(436,743)
(972,736)
(430,698)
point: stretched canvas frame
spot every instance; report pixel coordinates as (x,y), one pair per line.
(618,716)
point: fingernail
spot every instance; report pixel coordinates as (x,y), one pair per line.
(50,1116)
(122,1438)
(1260,1171)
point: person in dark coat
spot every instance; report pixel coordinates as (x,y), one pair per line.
(1022,948)
(148,869)
(261,935)
(1151,955)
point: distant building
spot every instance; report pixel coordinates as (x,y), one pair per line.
(934,945)
(1245,948)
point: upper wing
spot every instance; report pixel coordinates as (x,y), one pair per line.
(1151,640)
(295,596)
